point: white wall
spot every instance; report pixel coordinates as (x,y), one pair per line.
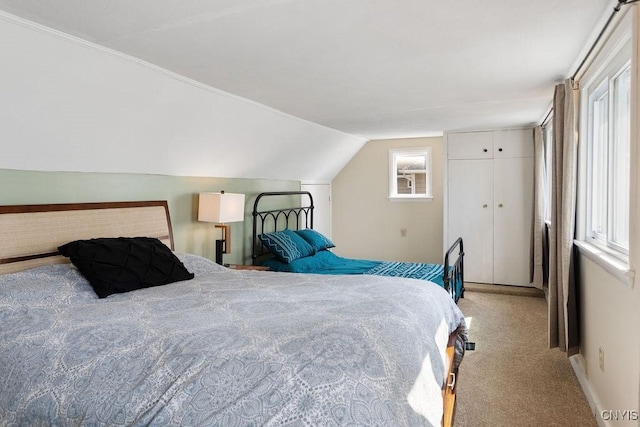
(608,321)
(365,224)
(66,104)
(609,300)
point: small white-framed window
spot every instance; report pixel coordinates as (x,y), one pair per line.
(410,174)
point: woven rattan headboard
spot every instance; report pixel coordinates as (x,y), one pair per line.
(31,234)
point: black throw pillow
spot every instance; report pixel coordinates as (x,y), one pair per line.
(123,264)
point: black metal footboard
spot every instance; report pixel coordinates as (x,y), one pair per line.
(454,272)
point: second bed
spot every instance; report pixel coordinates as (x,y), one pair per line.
(284,240)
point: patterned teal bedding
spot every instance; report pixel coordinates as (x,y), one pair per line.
(323,262)
(227,348)
(431,272)
(326,262)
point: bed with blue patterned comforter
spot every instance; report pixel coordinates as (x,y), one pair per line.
(227,348)
(326,262)
(322,262)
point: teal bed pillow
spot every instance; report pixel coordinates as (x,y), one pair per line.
(287,245)
(318,241)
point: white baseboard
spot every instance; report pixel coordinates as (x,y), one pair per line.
(577,363)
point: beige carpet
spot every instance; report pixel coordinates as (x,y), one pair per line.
(512,378)
(504,289)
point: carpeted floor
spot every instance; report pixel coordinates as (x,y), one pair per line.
(512,378)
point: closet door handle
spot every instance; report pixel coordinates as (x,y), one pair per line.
(484,150)
(500,205)
(500,150)
(484,206)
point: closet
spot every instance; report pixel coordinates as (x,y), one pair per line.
(490,203)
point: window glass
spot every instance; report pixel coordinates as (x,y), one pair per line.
(608,168)
(410,173)
(548,156)
(599,142)
(620,165)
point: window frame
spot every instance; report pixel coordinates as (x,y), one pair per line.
(394,153)
(601,78)
(620,266)
(604,91)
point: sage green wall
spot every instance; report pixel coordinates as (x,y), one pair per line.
(181,193)
(365,224)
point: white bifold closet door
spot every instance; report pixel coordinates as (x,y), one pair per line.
(513,214)
(490,203)
(471,215)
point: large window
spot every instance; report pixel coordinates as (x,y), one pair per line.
(608,170)
(410,173)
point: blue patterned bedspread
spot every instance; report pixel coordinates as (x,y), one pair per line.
(326,262)
(431,272)
(228,348)
(323,262)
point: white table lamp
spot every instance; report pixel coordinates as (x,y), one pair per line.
(221,208)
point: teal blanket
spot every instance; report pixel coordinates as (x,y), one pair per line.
(326,262)
(413,270)
(323,262)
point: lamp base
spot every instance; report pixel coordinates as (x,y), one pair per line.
(219,251)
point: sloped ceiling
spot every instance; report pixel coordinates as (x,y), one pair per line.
(370,68)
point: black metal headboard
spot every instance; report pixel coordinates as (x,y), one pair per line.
(267,220)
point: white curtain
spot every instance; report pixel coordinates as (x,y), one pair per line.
(563,316)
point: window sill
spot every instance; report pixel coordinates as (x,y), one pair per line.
(614,266)
(410,199)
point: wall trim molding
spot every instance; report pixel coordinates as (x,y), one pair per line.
(577,363)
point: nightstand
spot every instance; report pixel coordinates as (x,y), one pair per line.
(247,267)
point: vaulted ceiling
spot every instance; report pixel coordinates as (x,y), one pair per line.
(371,68)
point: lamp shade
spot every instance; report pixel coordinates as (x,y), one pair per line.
(220,207)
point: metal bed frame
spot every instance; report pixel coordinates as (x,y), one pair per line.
(271,220)
(455,270)
(301,216)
